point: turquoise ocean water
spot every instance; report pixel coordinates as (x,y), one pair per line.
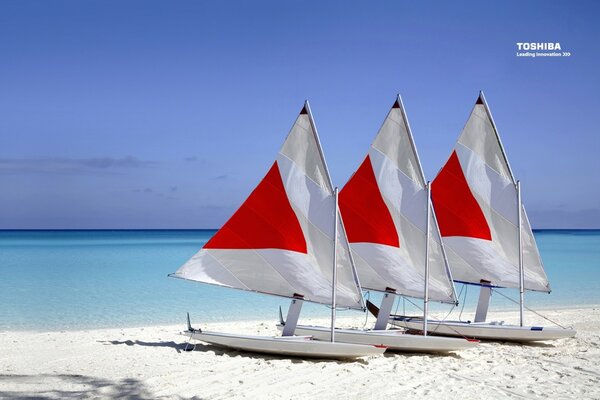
(55,280)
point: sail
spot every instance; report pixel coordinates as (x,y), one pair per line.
(281,240)
(384,207)
(475,197)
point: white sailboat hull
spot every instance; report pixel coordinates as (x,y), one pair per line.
(484,330)
(395,340)
(297,346)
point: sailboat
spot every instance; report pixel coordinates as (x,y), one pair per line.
(394,237)
(486,233)
(286,239)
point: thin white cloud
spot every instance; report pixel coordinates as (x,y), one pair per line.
(72,165)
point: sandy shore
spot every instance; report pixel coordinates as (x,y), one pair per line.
(148,363)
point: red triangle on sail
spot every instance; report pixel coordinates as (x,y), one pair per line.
(265,220)
(457,210)
(365,214)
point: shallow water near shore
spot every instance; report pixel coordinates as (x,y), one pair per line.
(68,280)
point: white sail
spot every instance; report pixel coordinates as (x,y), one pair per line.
(280,241)
(475,197)
(384,206)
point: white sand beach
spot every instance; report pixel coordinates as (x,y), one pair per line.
(148,363)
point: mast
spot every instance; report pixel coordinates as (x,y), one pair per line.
(429,206)
(489,114)
(334,282)
(318,140)
(521,269)
(426,291)
(443,247)
(411,139)
(334,190)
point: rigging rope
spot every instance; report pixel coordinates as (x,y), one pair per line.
(403,306)
(441,320)
(447,315)
(466,288)
(529,309)
(367,298)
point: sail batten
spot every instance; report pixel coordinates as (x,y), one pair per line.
(475,195)
(384,205)
(281,240)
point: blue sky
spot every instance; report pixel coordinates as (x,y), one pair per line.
(156,114)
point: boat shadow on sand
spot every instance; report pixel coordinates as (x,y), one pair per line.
(519,344)
(223,351)
(179,347)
